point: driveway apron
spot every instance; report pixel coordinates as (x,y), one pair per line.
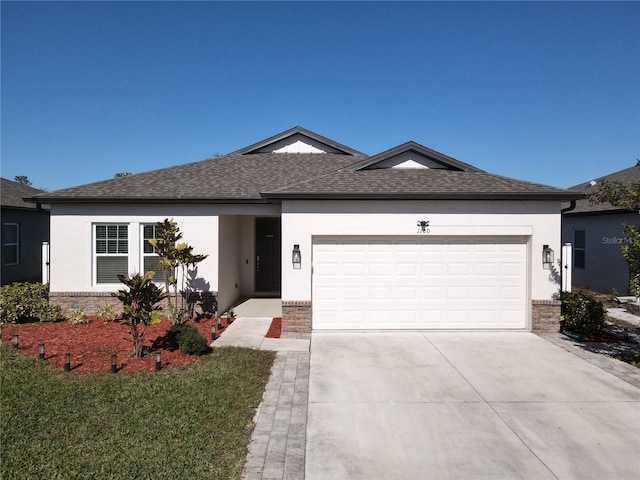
(490,405)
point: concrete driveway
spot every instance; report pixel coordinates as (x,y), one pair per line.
(422,405)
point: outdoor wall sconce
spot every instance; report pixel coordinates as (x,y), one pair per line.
(547,256)
(423,226)
(296,257)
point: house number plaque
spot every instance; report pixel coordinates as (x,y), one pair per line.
(423,226)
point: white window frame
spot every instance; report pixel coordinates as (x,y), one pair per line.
(582,249)
(15,244)
(144,255)
(96,254)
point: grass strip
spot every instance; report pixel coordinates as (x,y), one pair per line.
(191,423)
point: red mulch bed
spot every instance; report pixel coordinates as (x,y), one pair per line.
(92,344)
(275,329)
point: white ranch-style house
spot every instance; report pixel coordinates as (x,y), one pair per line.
(406,239)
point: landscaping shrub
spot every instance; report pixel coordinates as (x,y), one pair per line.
(139,306)
(106,313)
(582,314)
(188,339)
(77,317)
(27,302)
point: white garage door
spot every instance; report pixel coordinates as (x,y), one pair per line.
(430,283)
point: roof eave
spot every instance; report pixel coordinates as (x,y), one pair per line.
(591,213)
(147,200)
(559,196)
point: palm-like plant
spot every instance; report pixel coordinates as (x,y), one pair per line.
(140,306)
(174,255)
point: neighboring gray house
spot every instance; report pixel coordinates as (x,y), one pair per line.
(405,239)
(596,233)
(25,226)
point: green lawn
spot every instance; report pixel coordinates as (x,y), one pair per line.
(632,358)
(191,424)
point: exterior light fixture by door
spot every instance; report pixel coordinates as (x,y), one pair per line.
(296,257)
(423,226)
(547,256)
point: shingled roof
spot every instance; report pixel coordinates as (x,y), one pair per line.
(584,207)
(256,175)
(13,194)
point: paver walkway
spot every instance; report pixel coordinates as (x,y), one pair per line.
(277,448)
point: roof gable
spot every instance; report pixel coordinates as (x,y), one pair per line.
(298,140)
(291,165)
(412,155)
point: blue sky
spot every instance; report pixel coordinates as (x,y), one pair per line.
(546,92)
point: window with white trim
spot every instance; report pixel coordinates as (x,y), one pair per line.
(10,243)
(579,250)
(111,251)
(150,259)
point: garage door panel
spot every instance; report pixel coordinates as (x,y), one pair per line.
(402,283)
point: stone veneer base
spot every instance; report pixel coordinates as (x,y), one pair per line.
(89,302)
(296,318)
(545,316)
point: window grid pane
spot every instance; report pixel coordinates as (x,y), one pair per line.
(10,234)
(151,260)
(112,247)
(10,247)
(10,254)
(579,255)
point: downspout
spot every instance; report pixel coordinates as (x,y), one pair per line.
(571,206)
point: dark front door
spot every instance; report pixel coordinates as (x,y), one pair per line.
(268,255)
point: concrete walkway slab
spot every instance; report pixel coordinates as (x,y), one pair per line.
(258,308)
(622,314)
(250,333)
(244,332)
(465,405)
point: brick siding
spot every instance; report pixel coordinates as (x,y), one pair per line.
(296,319)
(89,302)
(545,316)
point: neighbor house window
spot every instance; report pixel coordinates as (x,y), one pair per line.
(112,252)
(579,249)
(150,259)
(11,243)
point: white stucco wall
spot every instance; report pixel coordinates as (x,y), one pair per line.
(72,238)
(605,267)
(538,221)
(228,261)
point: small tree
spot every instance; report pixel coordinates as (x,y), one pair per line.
(139,306)
(174,255)
(625,196)
(23,180)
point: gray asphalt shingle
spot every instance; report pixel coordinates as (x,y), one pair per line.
(583,206)
(13,193)
(246,176)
